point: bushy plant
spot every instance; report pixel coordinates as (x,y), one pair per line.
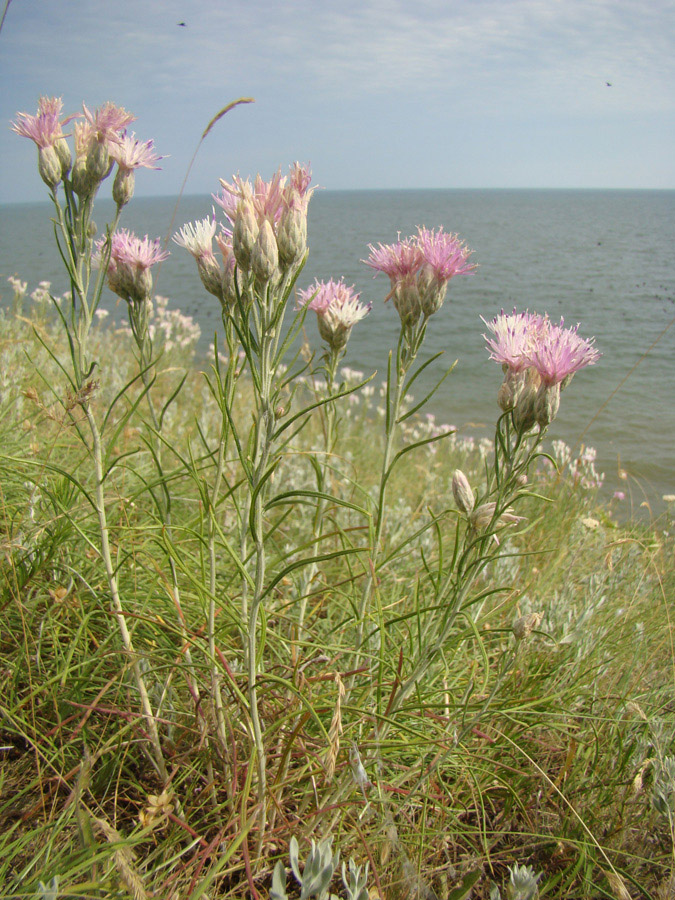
(275,599)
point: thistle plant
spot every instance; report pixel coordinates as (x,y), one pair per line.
(337,309)
(260,505)
(263,252)
(419,270)
(96,133)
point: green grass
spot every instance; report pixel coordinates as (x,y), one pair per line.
(548,751)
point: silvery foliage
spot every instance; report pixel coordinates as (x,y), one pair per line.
(522,884)
(48,891)
(318,873)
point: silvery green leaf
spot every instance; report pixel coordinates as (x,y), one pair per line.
(48,891)
(293,851)
(278,890)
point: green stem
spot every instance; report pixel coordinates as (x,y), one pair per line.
(118,608)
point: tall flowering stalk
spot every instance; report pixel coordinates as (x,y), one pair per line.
(263,248)
(419,269)
(338,309)
(538,359)
(95,135)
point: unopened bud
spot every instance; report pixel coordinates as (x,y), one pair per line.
(525,625)
(406,299)
(431,291)
(142,285)
(461,491)
(524,416)
(265,254)
(244,234)
(547,404)
(292,236)
(80,178)
(211,275)
(98,162)
(123,187)
(511,389)
(49,166)
(63,153)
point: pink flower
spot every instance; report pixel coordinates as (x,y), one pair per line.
(398,261)
(142,253)
(560,353)
(107,121)
(265,196)
(131,259)
(131,154)
(337,307)
(44,129)
(446,255)
(515,335)
(268,198)
(419,269)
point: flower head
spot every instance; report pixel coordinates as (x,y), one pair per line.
(399,260)
(445,254)
(337,307)
(44,128)
(197,237)
(515,336)
(129,264)
(419,269)
(108,121)
(561,353)
(131,154)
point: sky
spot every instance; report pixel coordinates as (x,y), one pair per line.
(374,93)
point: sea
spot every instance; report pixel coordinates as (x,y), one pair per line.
(601,258)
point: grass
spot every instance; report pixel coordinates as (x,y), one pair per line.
(550,751)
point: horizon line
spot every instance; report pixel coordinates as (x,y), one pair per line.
(381,190)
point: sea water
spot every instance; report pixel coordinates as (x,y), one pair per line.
(602,258)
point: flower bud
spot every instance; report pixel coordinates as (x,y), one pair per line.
(211,275)
(265,255)
(524,416)
(431,291)
(510,389)
(49,166)
(98,162)
(334,332)
(80,177)
(63,153)
(406,299)
(461,491)
(123,187)
(547,404)
(292,235)
(142,285)
(245,234)
(525,625)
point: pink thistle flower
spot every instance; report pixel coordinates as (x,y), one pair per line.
(142,253)
(337,307)
(44,128)
(445,254)
(398,261)
(560,353)
(300,178)
(131,259)
(131,154)
(515,336)
(107,121)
